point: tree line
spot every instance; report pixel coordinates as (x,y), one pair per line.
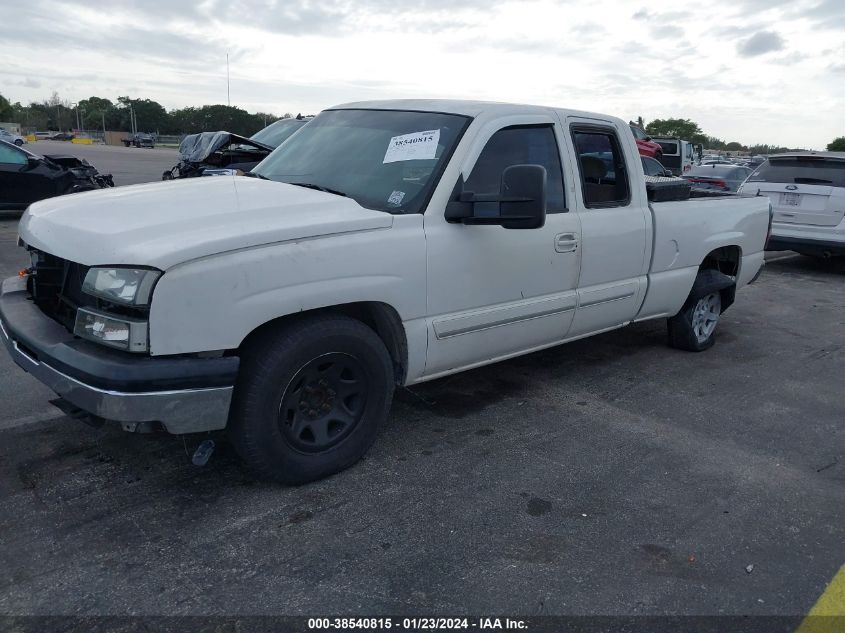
(98,113)
(691,131)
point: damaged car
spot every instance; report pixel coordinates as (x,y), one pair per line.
(224,153)
(26,177)
(216,153)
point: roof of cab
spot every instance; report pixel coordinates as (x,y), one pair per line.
(458,106)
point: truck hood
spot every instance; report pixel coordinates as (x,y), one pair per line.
(166,223)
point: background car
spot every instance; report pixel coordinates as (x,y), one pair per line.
(9,137)
(61,136)
(139,139)
(653,167)
(223,153)
(26,177)
(278,132)
(717,177)
(645,145)
(807,192)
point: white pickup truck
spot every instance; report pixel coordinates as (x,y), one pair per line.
(386,243)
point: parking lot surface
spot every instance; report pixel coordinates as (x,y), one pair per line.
(128,165)
(613,475)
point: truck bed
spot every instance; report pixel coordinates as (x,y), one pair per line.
(685,232)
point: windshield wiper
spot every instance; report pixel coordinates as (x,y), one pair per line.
(309,185)
(813,181)
(252,174)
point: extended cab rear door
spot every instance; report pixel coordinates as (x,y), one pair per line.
(616,231)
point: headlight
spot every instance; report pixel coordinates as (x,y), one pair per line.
(120,332)
(127,286)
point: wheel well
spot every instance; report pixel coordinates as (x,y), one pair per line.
(726,260)
(380,317)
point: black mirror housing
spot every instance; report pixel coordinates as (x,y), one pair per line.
(523,197)
(521,200)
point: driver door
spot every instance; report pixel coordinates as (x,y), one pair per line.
(495,292)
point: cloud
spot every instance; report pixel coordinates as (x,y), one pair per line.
(27,83)
(732,31)
(761,43)
(669,31)
(305,55)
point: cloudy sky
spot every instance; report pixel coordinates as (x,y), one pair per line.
(749,70)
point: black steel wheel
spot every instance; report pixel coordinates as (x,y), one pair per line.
(323,403)
(311,397)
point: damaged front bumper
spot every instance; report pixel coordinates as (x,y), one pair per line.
(181,394)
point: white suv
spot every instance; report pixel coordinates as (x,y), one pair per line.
(807,190)
(10,137)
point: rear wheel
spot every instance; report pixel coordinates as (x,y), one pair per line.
(694,327)
(18,142)
(310,399)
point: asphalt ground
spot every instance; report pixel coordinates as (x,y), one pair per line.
(613,475)
(128,165)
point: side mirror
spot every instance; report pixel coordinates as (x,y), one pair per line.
(668,173)
(521,200)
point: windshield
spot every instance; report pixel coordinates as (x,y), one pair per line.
(809,171)
(277,133)
(668,147)
(386,160)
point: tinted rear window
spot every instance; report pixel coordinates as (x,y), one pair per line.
(668,147)
(812,171)
(716,171)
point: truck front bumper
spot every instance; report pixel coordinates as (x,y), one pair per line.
(183,394)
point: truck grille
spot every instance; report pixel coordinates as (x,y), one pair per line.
(55,285)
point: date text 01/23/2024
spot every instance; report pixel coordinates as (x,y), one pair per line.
(416,624)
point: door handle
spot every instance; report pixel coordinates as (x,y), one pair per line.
(566,242)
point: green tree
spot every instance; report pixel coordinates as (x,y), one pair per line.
(733,146)
(97,111)
(837,145)
(150,116)
(212,118)
(6,111)
(681,128)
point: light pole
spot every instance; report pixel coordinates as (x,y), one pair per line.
(75,106)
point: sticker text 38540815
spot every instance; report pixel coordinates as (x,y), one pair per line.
(414,146)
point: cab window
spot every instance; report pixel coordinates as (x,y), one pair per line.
(604,176)
(520,145)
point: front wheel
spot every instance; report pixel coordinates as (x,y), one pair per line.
(18,142)
(694,327)
(311,398)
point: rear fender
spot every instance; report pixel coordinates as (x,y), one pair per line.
(709,281)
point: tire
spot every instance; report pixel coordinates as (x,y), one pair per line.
(694,328)
(18,142)
(310,399)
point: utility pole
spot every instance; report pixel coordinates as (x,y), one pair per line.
(228,97)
